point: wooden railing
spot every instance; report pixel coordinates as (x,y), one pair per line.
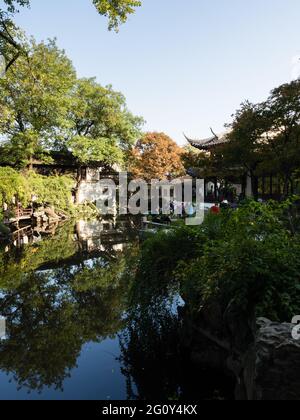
(27,230)
(20,212)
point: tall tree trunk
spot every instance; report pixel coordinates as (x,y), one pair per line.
(244,185)
(30,163)
(286,186)
(254,182)
(216,189)
(292,185)
(78,180)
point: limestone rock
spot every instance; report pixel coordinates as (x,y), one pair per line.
(278,363)
(51,214)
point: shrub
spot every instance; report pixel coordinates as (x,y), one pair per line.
(250,256)
(55,191)
(13,185)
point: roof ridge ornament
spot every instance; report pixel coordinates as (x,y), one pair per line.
(207,144)
(214,134)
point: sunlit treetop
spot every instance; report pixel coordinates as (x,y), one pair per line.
(117,11)
(12,5)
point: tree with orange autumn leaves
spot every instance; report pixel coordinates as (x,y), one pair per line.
(156,156)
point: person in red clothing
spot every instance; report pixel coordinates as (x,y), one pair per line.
(215,209)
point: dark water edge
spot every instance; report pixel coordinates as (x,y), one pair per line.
(76,329)
(96,377)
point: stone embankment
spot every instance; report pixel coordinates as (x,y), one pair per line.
(262,356)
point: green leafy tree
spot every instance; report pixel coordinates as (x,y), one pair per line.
(16,187)
(196,161)
(13,186)
(35,100)
(101,127)
(244,149)
(282,144)
(11,47)
(116,10)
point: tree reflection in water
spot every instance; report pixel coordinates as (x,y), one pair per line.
(72,289)
(155,358)
(51,313)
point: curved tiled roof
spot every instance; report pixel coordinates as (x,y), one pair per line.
(206,144)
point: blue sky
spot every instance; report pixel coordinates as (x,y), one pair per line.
(184,65)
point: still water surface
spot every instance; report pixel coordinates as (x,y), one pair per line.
(78,327)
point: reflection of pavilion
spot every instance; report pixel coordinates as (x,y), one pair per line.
(2,329)
(29,235)
(98,235)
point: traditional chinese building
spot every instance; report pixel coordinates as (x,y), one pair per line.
(87,186)
(224,183)
(87,176)
(236,183)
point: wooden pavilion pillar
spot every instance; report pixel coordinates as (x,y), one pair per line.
(271,185)
(263,185)
(216,189)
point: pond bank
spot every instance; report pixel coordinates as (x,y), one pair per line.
(261,356)
(42,217)
(94,285)
(76,327)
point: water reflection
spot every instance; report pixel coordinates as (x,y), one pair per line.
(82,324)
(156,358)
(56,297)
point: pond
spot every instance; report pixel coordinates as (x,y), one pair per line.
(74,325)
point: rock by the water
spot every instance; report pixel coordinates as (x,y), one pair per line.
(264,358)
(45,215)
(278,362)
(4,231)
(51,214)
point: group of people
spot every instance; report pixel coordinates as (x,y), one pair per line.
(189,209)
(216,208)
(185,209)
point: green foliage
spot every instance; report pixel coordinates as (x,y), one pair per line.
(52,313)
(35,100)
(100,125)
(99,150)
(264,137)
(196,161)
(12,46)
(15,265)
(282,113)
(250,257)
(160,252)
(116,10)
(245,137)
(252,260)
(4,231)
(44,108)
(13,185)
(12,5)
(263,140)
(52,190)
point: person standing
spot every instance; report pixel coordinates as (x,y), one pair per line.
(215,209)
